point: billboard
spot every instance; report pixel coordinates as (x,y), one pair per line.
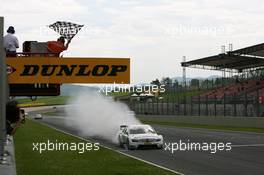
(54,70)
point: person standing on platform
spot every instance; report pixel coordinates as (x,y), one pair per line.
(11,42)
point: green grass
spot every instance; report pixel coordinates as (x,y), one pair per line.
(173,96)
(50,113)
(102,162)
(44,101)
(189,125)
(119,94)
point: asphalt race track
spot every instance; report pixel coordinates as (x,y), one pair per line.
(245,158)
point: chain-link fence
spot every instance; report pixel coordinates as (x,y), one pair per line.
(193,101)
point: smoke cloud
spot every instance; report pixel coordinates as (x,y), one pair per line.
(96,115)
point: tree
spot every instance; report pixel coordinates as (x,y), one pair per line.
(166,81)
(218,82)
(206,84)
(175,83)
(194,83)
(155,82)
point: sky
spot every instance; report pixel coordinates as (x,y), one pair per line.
(155,34)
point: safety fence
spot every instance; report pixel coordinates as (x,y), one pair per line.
(179,103)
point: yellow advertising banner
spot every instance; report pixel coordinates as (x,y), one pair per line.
(54,70)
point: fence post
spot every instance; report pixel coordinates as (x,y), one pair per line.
(258,105)
(140,107)
(224,104)
(168,99)
(185,105)
(146,106)
(234,101)
(199,105)
(207,113)
(178,101)
(191,106)
(199,99)
(157,106)
(153,106)
(162,110)
(173,103)
(215,105)
(143,106)
(245,105)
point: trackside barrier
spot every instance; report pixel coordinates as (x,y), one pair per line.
(179,102)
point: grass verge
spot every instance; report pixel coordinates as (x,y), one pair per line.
(100,162)
(213,127)
(44,101)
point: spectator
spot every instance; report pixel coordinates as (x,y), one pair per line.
(58,46)
(10,42)
(13,117)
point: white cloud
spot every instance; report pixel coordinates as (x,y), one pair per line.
(155,34)
(31,16)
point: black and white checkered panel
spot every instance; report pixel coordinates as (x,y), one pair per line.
(66,29)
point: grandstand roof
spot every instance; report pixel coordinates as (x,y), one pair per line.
(256,50)
(234,61)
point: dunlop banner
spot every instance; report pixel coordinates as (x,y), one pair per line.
(56,70)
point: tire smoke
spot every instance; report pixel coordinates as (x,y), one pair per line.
(95,115)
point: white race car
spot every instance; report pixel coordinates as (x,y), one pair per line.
(135,136)
(38,116)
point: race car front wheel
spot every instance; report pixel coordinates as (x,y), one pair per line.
(129,147)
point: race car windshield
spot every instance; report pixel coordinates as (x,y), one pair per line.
(142,131)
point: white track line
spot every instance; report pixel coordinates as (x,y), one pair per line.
(150,163)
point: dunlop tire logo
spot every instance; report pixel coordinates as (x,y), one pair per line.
(56,70)
(67,70)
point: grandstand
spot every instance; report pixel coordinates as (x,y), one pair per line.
(239,61)
(238,88)
(246,89)
(241,93)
